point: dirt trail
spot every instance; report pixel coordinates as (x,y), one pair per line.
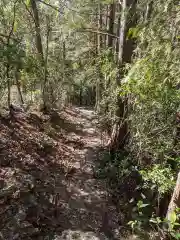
(89,214)
(48,190)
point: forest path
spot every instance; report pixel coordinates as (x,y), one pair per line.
(48,189)
(89,213)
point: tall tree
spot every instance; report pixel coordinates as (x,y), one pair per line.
(37,30)
(8,65)
(174,204)
(125,48)
(112,8)
(98,52)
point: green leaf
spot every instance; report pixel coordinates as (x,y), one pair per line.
(28,3)
(143,196)
(133,33)
(176,224)
(143,205)
(152,220)
(177,236)
(130,222)
(173,217)
(57,14)
(15,26)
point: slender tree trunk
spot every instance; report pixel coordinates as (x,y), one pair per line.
(107,24)
(110,41)
(64,67)
(122,33)
(127,45)
(39,47)
(177,135)
(8,83)
(175,200)
(148,12)
(80,94)
(45,90)
(111,24)
(64,60)
(37,30)
(118,32)
(120,134)
(98,52)
(8,58)
(17,78)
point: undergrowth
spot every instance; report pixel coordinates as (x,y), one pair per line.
(141,194)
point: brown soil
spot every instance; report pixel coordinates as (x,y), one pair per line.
(48,189)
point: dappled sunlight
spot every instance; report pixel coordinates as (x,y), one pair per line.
(50,180)
(81,235)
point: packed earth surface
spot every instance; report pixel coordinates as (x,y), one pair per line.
(49,189)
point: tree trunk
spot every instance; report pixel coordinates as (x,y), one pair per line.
(98,52)
(175,200)
(121,44)
(81,94)
(17,78)
(177,135)
(120,133)
(8,84)
(8,59)
(118,33)
(127,45)
(46,67)
(149,9)
(39,48)
(111,24)
(64,59)
(37,30)
(110,41)
(106,24)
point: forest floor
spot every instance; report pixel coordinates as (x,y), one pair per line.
(48,189)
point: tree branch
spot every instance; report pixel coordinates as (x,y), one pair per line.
(12,27)
(96,31)
(49,5)
(30,13)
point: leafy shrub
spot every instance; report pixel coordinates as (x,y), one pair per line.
(158,177)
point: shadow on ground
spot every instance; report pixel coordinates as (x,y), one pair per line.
(48,189)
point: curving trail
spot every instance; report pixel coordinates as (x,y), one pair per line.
(88,212)
(48,187)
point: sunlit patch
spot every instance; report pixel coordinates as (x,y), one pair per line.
(79,235)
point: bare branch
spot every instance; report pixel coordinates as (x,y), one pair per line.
(12,27)
(30,13)
(12,38)
(49,5)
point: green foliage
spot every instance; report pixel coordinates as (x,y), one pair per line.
(28,3)
(151,84)
(115,170)
(140,219)
(78,66)
(158,177)
(133,33)
(158,224)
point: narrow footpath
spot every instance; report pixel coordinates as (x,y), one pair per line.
(88,211)
(48,189)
